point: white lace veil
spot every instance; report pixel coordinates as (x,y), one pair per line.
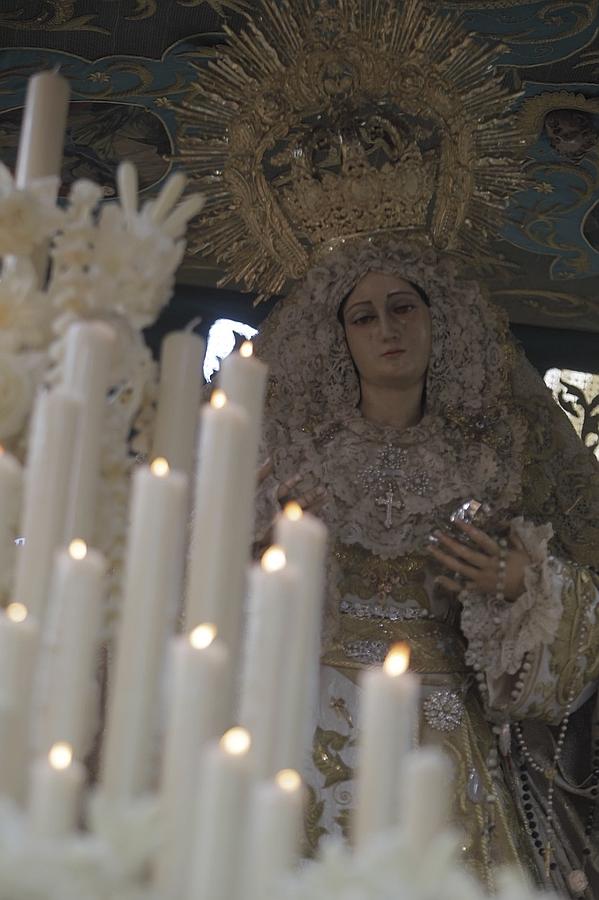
(480,392)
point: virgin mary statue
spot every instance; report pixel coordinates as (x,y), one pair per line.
(338,143)
(463,513)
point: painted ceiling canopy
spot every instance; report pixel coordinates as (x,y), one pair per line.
(132,63)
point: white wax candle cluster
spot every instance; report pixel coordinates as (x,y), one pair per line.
(231,803)
(388,729)
(52,439)
(19,638)
(176,425)
(197,715)
(70,657)
(273,842)
(11,480)
(56,784)
(221,818)
(224,497)
(303,539)
(154,567)
(41,141)
(273,598)
(86,372)
(42,131)
(218,552)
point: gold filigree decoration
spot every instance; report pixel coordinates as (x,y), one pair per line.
(321,123)
(313,828)
(365,575)
(145,9)
(326,755)
(531,115)
(556,13)
(558,305)
(220,7)
(54,15)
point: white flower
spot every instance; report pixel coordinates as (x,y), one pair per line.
(388,869)
(84,199)
(24,312)
(28,216)
(18,376)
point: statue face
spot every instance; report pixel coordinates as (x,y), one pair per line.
(388,331)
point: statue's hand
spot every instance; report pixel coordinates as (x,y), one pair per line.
(310,500)
(478,568)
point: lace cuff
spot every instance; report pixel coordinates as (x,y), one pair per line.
(501,633)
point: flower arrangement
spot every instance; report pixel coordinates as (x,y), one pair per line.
(84,260)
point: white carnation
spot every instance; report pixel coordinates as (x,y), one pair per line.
(28,216)
(17,388)
(24,312)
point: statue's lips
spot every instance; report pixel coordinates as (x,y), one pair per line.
(393,353)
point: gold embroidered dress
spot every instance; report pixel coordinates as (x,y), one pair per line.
(498,677)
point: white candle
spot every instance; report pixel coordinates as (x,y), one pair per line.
(273,845)
(220,540)
(55,794)
(197,714)
(303,539)
(154,565)
(47,478)
(427,786)
(265,689)
(221,819)
(243,379)
(86,372)
(19,641)
(69,655)
(177,416)
(389,715)
(42,130)
(11,478)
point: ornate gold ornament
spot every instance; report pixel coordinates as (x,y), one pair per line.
(532,114)
(322,121)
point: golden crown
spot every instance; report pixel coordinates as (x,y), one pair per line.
(325,121)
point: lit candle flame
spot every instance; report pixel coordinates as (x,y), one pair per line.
(160,467)
(288,780)
(16,612)
(60,755)
(77,549)
(218,399)
(247,349)
(397,660)
(202,636)
(236,741)
(273,559)
(293,511)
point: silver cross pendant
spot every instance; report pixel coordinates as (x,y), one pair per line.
(387,502)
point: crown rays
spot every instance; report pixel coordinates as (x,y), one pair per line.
(298,84)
